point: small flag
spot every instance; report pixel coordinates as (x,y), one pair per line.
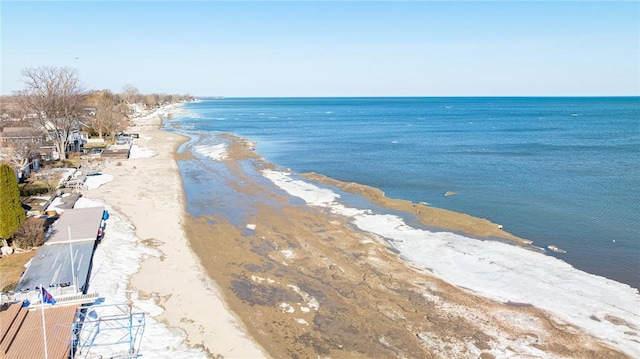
(47,297)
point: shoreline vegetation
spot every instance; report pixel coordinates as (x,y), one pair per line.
(300,282)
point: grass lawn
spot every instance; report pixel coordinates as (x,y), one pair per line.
(11,268)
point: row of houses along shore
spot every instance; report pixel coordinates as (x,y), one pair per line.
(36,145)
(52,313)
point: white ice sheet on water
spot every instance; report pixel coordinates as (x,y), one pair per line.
(215,152)
(498,270)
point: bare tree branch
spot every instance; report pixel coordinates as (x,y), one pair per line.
(23,145)
(130,93)
(109,115)
(56,99)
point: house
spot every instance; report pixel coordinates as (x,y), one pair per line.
(75,137)
(18,134)
(135,109)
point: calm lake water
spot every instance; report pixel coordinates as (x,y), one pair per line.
(558,171)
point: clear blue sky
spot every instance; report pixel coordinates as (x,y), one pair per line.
(358,48)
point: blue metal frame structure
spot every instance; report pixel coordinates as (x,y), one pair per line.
(114,325)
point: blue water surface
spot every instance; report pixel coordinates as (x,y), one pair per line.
(561,171)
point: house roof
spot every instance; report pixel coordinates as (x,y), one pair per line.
(21,331)
(52,266)
(19,130)
(65,258)
(84,224)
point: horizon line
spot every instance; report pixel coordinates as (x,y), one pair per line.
(436,96)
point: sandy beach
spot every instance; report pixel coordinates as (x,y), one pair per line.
(148,191)
(297,281)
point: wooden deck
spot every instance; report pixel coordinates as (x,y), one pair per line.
(117,151)
(22,335)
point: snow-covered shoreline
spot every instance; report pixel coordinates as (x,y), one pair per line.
(145,258)
(605,309)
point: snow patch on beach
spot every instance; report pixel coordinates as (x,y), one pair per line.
(148,305)
(90,182)
(95,181)
(311,194)
(175,110)
(603,308)
(311,301)
(170,110)
(255,278)
(287,308)
(117,258)
(215,152)
(139,152)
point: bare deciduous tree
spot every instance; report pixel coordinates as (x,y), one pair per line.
(11,111)
(109,116)
(152,100)
(56,99)
(130,93)
(23,145)
(30,234)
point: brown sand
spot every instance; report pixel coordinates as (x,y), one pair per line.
(304,284)
(430,216)
(149,192)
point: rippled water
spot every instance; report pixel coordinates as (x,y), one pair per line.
(561,171)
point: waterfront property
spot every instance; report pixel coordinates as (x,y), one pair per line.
(63,263)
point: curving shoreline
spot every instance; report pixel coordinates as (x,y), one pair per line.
(294,280)
(148,191)
(305,282)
